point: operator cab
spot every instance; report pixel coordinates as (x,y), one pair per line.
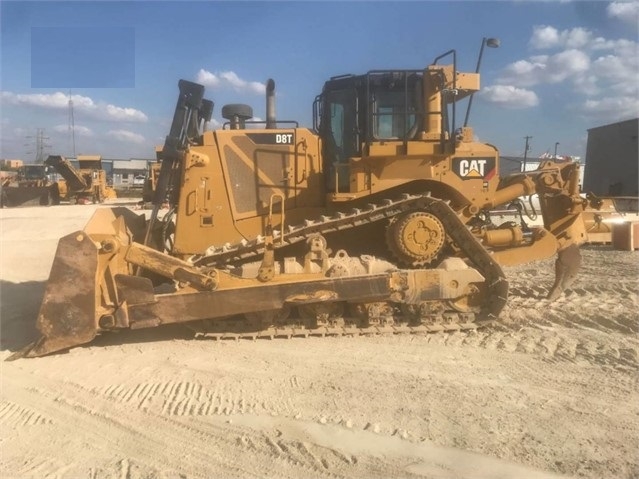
(34,172)
(354,112)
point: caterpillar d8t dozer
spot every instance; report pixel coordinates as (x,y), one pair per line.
(376,219)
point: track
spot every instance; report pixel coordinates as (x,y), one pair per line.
(324,225)
(380,318)
(528,324)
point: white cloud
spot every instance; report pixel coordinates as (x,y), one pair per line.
(229,79)
(605,72)
(625,11)
(207,78)
(125,114)
(81,104)
(214,124)
(509,96)
(126,136)
(546,68)
(239,84)
(79,130)
(612,108)
(544,37)
(621,76)
(620,47)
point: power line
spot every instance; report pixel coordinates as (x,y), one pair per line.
(40,145)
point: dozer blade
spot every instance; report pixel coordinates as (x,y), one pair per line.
(70,309)
(26,196)
(67,313)
(566,268)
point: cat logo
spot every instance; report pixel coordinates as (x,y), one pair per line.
(474,168)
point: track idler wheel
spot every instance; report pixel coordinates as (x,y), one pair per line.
(470,301)
(415,238)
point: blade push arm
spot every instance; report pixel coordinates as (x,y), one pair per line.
(191,112)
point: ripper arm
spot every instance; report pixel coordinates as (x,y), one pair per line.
(557,186)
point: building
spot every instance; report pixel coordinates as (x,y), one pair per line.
(612,159)
(11,164)
(124,172)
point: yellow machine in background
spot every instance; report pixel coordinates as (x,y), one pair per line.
(29,187)
(86,184)
(603,213)
(152,176)
(376,219)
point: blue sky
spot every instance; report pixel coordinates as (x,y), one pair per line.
(562,67)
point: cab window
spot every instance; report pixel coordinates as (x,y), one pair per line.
(393,114)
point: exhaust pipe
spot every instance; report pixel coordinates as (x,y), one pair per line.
(270,104)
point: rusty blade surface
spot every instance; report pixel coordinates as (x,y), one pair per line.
(67,315)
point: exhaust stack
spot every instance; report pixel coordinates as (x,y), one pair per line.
(271,122)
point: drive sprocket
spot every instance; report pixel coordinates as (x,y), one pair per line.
(415,238)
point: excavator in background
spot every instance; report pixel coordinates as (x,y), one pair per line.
(375,220)
(83,185)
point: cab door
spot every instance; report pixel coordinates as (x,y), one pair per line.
(340,137)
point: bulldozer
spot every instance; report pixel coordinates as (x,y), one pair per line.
(83,185)
(30,187)
(375,220)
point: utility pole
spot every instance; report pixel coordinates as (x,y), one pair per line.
(526,151)
(40,145)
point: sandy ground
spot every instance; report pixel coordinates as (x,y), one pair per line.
(553,392)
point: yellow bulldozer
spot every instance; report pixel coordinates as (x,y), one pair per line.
(29,187)
(376,219)
(81,185)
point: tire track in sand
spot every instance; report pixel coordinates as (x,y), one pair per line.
(12,415)
(108,423)
(192,398)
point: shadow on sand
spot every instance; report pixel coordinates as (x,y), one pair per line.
(19,307)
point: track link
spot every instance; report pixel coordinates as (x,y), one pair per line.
(242,329)
(246,250)
(444,319)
